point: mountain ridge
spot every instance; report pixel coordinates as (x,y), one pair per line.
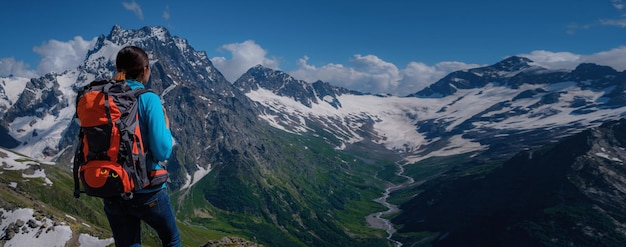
(535,93)
(286,162)
(515,203)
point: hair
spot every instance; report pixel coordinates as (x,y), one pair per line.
(130,62)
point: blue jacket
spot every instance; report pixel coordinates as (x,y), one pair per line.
(157,138)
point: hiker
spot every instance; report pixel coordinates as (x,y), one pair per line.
(151,205)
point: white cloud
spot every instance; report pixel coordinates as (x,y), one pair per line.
(417,76)
(614,58)
(9,66)
(370,74)
(566,60)
(244,56)
(554,60)
(366,74)
(134,7)
(58,56)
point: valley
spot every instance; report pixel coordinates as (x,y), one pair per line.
(379,220)
(284,162)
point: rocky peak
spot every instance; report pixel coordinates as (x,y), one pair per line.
(121,36)
(513,63)
(270,79)
(279,82)
(590,71)
(515,71)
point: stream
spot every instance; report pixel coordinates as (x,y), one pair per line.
(377,220)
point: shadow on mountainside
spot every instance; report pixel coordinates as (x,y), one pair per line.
(537,198)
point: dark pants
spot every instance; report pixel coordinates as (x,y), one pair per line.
(153,208)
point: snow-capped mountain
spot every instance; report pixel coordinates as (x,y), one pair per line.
(465,111)
(37,119)
(251,150)
(510,105)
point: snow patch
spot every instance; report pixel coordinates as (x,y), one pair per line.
(26,230)
(197,175)
(23,227)
(88,240)
(394,121)
(10,90)
(30,168)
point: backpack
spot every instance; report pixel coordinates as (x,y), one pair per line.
(110,160)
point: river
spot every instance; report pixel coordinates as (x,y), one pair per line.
(377,220)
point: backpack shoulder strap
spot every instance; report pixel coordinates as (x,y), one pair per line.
(78,159)
(141,91)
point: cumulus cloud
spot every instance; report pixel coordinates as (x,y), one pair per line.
(370,74)
(614,58)
(554,60)
(566,60)
(58,56)
(9,66)
(417,76)
(134,7)
(364,73)
(243,56)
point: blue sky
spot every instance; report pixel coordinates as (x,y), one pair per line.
(391,46)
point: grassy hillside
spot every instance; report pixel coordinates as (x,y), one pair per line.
(305,194)
(298,192)
(84,215)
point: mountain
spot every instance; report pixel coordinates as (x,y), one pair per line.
(570,193)
(502,108)
(284,162)
(232,174)
(282,84)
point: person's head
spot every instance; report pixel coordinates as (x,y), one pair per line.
(132,63)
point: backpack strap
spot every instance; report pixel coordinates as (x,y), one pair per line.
(159,176)
(77,161)
(107,106)
(144,158)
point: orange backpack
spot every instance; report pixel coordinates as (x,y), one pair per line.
(110,160)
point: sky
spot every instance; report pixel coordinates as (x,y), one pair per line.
(391,47)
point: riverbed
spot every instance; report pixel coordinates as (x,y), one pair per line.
(377,220)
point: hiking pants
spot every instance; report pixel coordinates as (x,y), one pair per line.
(154,208)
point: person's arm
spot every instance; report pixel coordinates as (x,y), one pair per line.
(159,135)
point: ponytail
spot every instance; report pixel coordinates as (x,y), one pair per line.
(120,76)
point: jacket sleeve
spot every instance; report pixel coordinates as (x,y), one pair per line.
(156,133)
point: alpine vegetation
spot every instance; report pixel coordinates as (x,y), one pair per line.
(533,156)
